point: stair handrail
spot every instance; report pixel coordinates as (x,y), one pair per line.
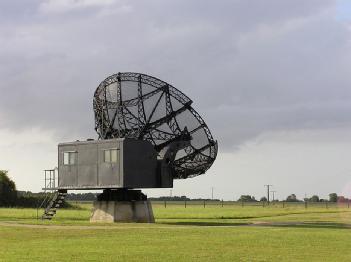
(49,187)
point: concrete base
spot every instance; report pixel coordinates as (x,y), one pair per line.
(123,211)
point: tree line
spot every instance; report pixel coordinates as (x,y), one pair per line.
(10,197)
(333,197)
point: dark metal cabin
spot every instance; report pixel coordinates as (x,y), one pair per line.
(113,163)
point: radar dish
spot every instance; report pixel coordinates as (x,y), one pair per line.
(134,105)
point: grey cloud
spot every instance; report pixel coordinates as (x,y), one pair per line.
(250,66)
(18,11)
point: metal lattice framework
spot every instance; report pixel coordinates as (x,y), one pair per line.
(143,107)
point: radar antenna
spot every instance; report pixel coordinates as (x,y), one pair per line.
(139,106)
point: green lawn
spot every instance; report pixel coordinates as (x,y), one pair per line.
(214,233)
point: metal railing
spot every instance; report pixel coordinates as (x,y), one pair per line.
(50,179)
(50,182)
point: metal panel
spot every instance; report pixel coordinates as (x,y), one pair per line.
(109,173)
(87,164)
(135,166)
(140,164)
(68,174)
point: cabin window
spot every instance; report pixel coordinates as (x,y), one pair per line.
(110,156)
(69,158)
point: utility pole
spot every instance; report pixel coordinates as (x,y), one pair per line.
(212,192)
(273,194)
(170,193)
(268,186)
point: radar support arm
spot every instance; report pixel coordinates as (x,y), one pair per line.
(167,156)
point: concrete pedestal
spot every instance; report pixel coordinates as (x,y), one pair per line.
(123,211)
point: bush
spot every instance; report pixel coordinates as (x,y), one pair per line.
(10,197)
(247,198)
(263,199)
(333,197)
(34,200)
(314,198)
(292,198)
(8,193)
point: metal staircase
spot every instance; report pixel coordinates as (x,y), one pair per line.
(55,203)
(54,198)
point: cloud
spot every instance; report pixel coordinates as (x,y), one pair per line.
(250,67)
(62,6)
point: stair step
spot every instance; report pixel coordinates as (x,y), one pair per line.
(55,202)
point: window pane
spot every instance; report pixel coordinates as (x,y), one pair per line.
(72,158)
(66,158)
(114,155)
(107,156)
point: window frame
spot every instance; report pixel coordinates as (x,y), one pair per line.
(69,158)
(110,154)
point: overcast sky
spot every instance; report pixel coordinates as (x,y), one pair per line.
(270,77)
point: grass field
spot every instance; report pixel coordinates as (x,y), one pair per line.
(194,233)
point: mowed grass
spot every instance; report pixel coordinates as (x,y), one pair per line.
(194,233)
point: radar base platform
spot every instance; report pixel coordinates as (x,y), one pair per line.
(122,205)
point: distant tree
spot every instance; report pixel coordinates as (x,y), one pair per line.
(263,199)
(247,198)
(333,197)
(292,198)
(172,198)
(29,199)
(81,197)
(342,199)
(8,193)
(314,198)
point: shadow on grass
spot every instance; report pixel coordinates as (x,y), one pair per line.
(203,223)
(318,225)
(238,217)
